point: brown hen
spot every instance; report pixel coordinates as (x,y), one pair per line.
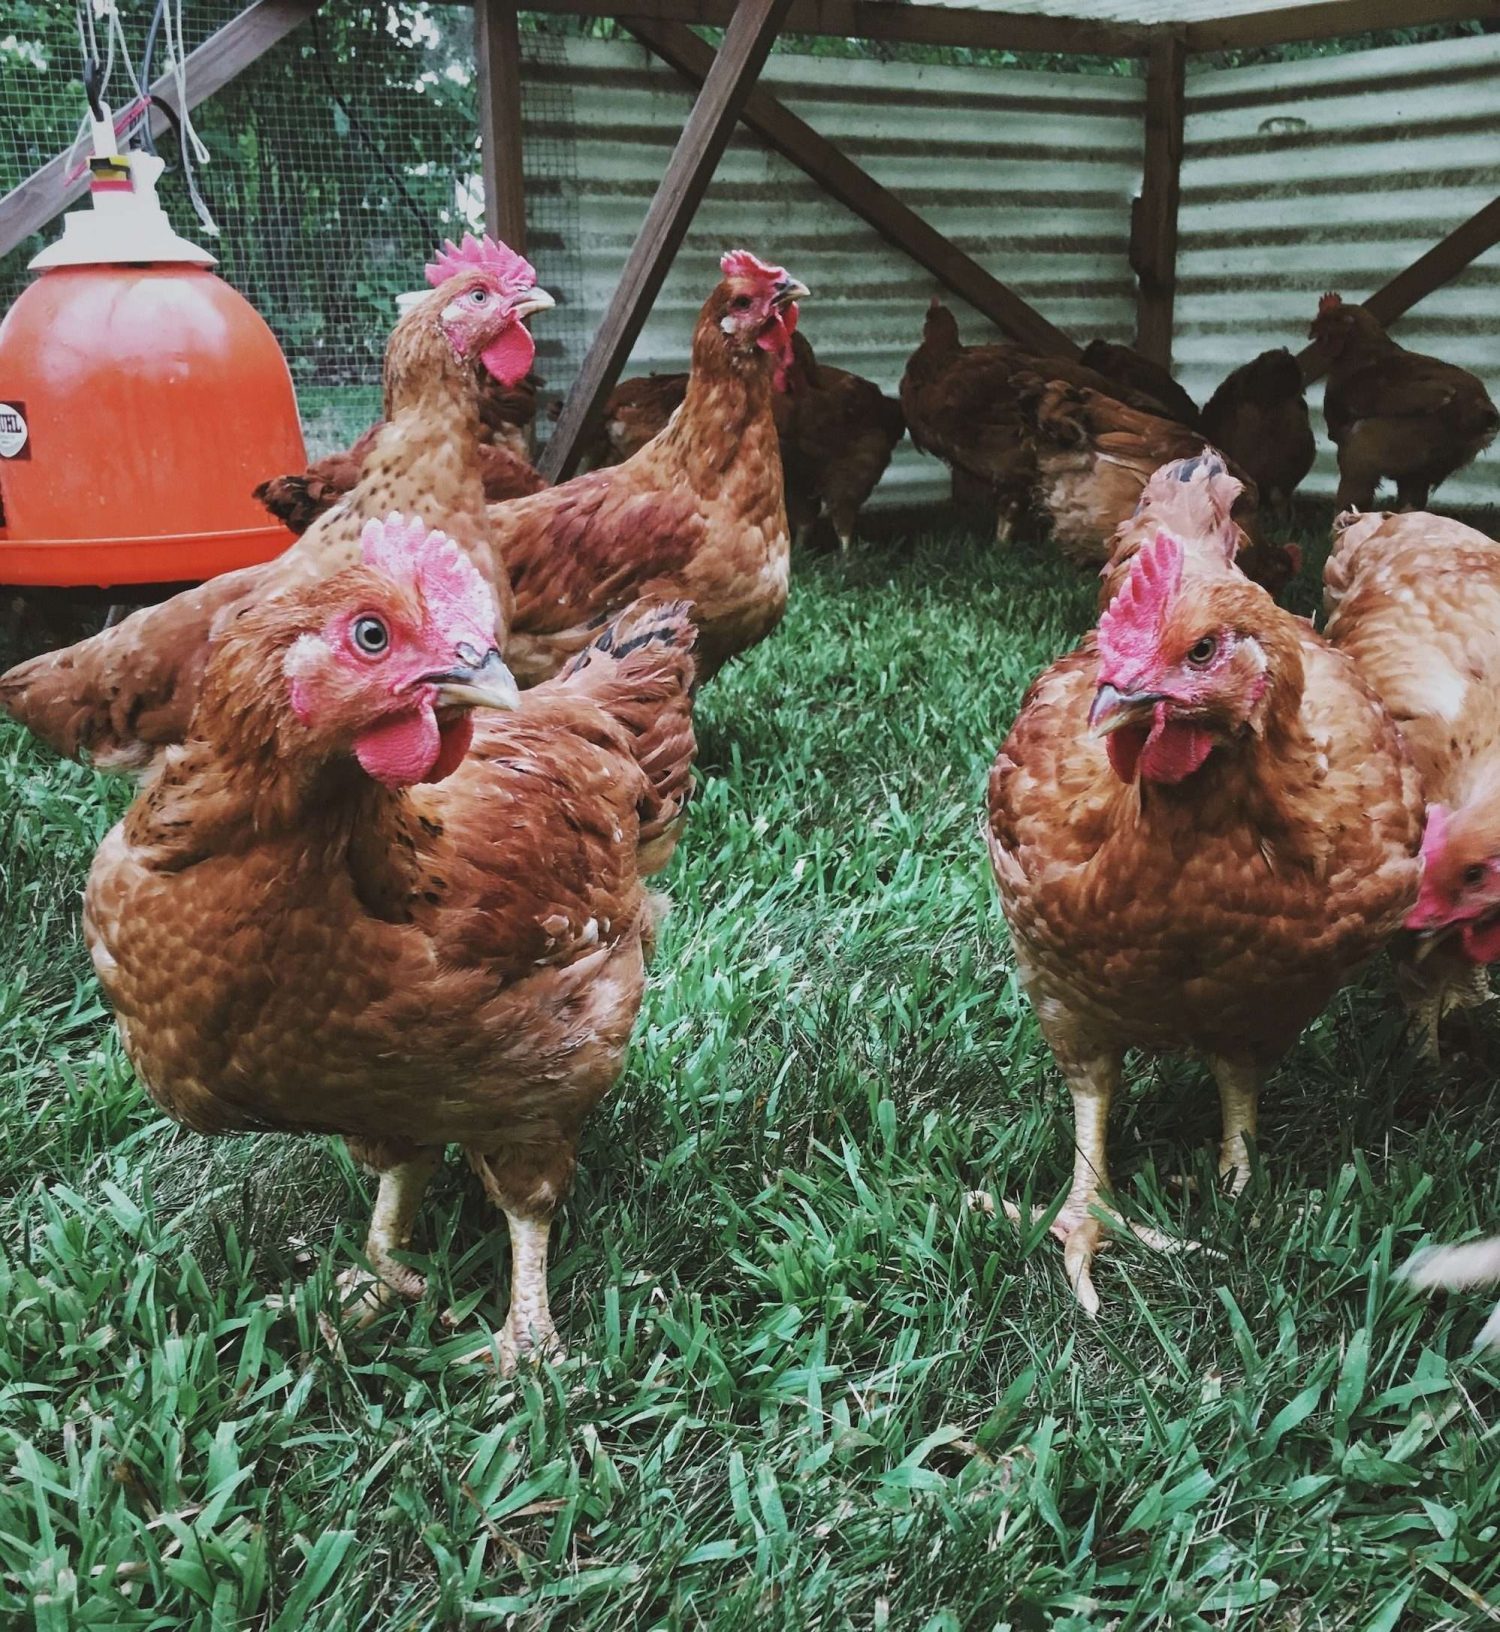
(347,906)
(1395,413)
(1201,824)
(837,434)
(1124,366)
(1414,600)
(1093,457)
(962,403)
(697,514)
(1258,417)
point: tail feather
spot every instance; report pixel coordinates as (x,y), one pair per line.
(640,671)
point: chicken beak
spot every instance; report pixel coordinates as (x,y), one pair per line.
(789,292)
(1114,709)
(533,301)
(483,683)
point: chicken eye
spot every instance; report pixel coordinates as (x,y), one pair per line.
(741,303)
(371,636)
(1475,874)
(480,297)
(1205,651)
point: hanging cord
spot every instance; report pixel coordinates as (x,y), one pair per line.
(188,142)
(147,57)
(357,126)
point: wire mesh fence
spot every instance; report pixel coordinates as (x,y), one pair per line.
(336,164)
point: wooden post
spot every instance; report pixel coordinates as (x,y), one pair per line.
(1441,264)
(1153,224)
(497,51)
(747,43)
(844,180)
(243,40)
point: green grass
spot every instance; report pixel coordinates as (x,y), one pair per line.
(808,1386)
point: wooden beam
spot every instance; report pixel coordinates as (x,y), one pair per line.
(497,50)
(747,44)
(1328,19)
(45,193)
(950,25)
(1153,220)
(844,180)
(1441,264)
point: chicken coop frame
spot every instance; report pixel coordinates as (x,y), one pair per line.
(1163,33)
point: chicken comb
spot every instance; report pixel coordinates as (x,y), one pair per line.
(514,273)
(1329,301)
(740,263)
(1128,630)
(407,550)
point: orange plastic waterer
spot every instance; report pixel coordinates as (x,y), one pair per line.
(141,401)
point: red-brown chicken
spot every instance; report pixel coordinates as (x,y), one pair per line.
(125,693)
(633,413)
(1414,600)
(1094,456)
(1201,823)
(346,905)
(697,514)
(1395,413)
(963,404)
(960,407)
(837,438)
(505,465)
(1258,417)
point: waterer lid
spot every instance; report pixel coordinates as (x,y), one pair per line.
(125,220)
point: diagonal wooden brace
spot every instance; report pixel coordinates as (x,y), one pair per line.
(856,189)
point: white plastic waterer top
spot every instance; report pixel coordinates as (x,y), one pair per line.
(122,223)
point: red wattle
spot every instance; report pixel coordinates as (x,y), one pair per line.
(402,749)
(1482,940)
(509,358)
(455,736)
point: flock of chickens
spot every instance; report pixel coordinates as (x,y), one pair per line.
(403,787)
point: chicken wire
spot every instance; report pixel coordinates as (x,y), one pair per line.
(336,164)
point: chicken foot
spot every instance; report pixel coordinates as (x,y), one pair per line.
(365,1292)
(1083,1220)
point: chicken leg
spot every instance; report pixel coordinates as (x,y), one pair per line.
(402,1183)
(528,1186)
(1239,1096)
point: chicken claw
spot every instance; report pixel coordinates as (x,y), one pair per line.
(1083,1231)
(364,1296)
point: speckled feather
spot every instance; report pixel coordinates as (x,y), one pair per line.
(1414,600)
(1220,914)
(309,952)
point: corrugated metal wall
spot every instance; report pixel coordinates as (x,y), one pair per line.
(1334,173)
(1032,174)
